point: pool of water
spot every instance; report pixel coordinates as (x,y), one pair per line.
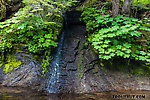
(12,93)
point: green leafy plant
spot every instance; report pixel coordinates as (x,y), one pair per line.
(46,62)
(37,26)
(117,37)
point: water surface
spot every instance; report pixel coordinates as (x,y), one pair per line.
(12,93)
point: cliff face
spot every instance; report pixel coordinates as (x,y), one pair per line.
(26,74)
(80,71)
(8,7)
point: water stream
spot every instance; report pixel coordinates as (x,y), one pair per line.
(54,79)
(27,94)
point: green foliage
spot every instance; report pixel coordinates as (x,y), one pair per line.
(117,37)
(31,27)
(36,34)
(37,26)
(46,62)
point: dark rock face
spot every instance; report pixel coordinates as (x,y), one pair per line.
(83,70)
(81,64)
(1,75)
(28,74)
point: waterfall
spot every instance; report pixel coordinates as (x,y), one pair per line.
(59,78)
(54,79)
(55,71)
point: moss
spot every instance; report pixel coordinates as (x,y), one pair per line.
(86,44)
(80,75)
(141,70)
(96,69)
(35,57)
(11,63)
(79,67)
(102,64)
(45,64)
(128,66)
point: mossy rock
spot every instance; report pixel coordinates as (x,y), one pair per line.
(10,63)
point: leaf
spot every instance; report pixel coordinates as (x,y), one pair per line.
(104,45)
(9,31)
(128,51)
(148,60)
(136,33)
(114,28)
(134,19)
(142,53)
(29,33)
(119,53)
(115,42)
(48,36)
(21,26)
(133,27)
(107,41)
(144,28)
(107,15)
(119,46)
(41,40)
(148,54)
(112,54)
(101,50)
(142,58)
(137,51)
(106,57)
(111,35)
(127,22)
(35,37)
(127,45)
(126,56)
(100,56)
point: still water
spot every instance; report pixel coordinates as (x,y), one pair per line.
(27,94)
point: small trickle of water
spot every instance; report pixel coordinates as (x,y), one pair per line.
(54,82)
(54,79)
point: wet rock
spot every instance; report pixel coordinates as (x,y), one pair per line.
(28,74)
(84,73)
(88,70)
(71,67)
(1,74)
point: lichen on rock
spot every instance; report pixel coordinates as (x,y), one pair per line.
(10,64)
